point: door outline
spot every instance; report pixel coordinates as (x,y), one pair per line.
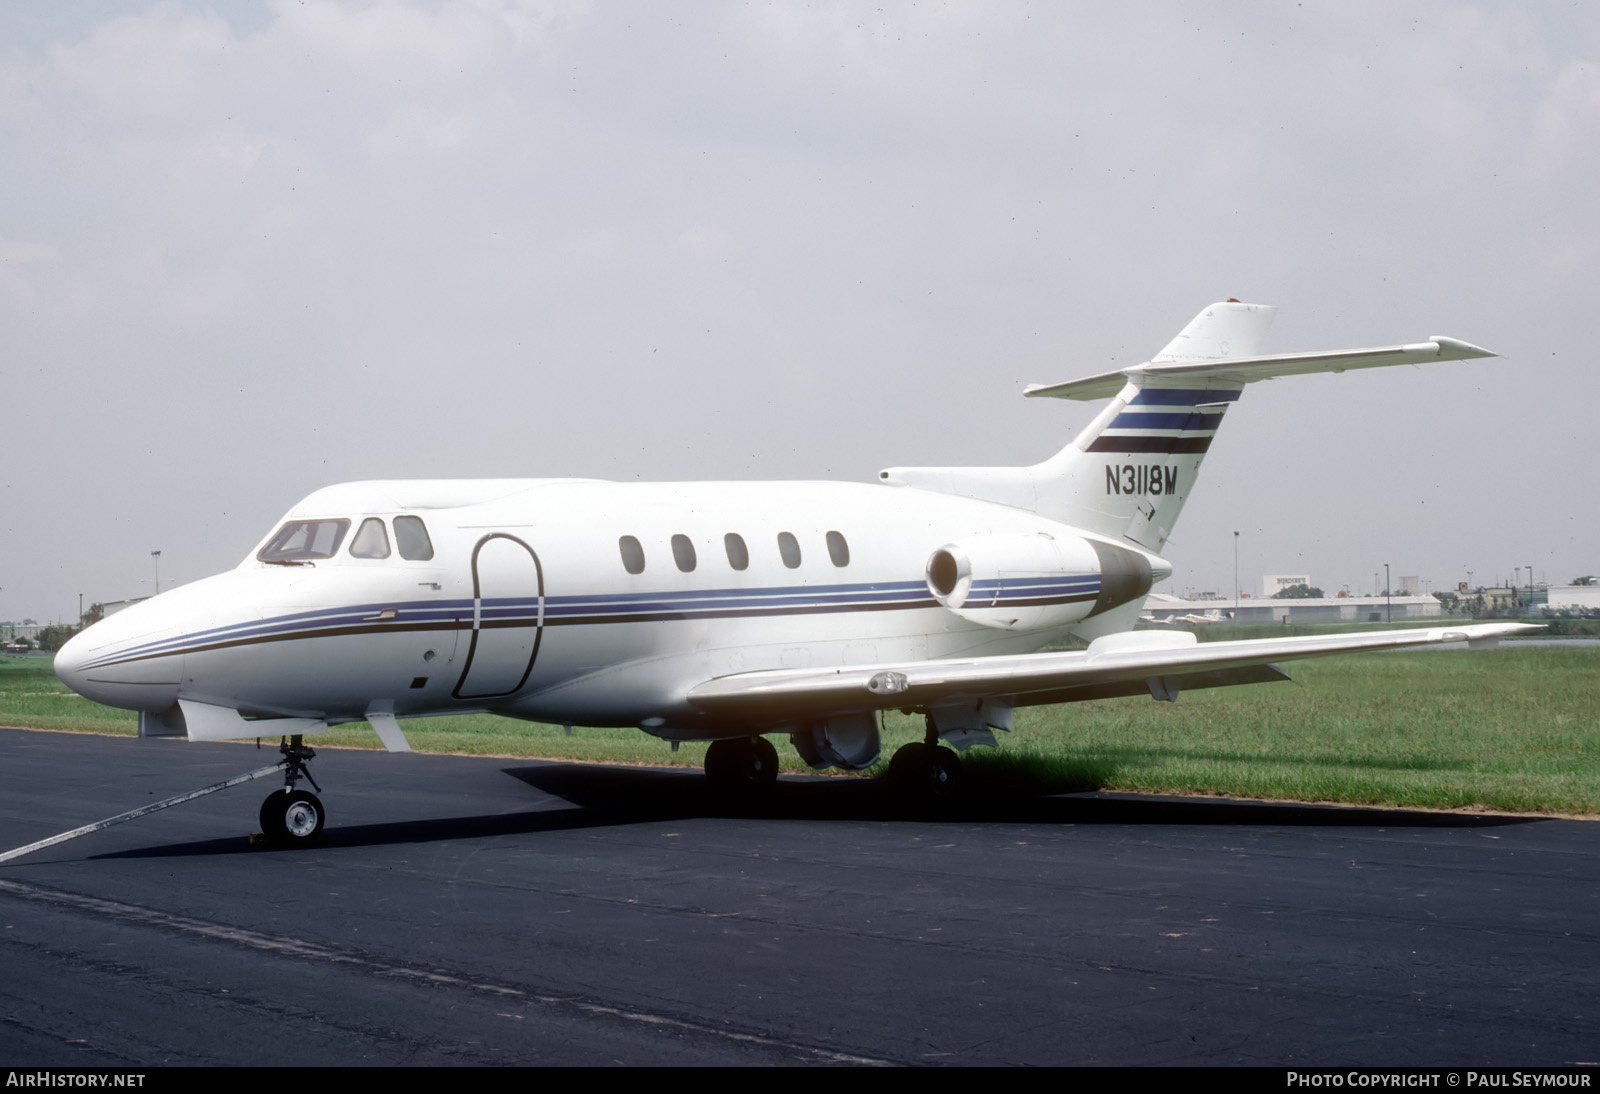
(477,618)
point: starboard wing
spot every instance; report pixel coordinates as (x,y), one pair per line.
(1158,663)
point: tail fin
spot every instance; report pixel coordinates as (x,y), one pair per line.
(1127,475)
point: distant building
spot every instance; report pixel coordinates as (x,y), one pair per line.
(1410,586)
(1273,584)
(1162,608)
(1575,597)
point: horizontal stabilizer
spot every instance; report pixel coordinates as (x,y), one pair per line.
(1247,370)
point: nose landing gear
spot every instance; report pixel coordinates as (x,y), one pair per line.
(290,816)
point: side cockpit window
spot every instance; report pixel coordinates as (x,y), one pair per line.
(412,536)
(371,541)
(304,540)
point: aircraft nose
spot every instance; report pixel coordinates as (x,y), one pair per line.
(69,662)
(97,666)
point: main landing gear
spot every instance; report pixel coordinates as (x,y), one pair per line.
(741,765)
(290,816)
(925,772)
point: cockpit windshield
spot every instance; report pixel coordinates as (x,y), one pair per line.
(302,540)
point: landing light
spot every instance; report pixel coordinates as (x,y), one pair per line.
(888,683)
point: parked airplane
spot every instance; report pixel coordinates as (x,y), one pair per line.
(725,611)
(1213,616)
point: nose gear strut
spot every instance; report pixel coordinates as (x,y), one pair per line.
(291,816)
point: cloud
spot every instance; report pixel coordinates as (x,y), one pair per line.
(644,239)
(1565,123)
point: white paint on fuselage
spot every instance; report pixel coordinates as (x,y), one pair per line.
(232,628)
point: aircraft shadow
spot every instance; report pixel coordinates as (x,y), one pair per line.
(597,796)
(430,830)
(646,793)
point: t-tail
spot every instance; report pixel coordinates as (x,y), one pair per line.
(1127,475)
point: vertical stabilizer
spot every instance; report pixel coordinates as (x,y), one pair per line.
(1129,472)
(1127,475)
(1228,329)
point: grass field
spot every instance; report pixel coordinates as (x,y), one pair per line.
(1511,730)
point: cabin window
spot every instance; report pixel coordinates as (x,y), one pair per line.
(301,540)
(789,548)
(683,553)
(838,549)
(738,553)
(632,555)
(371,541)
(411,535)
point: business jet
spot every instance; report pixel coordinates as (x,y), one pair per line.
(729,612)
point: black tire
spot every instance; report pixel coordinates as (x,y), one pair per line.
(292,817)
(923,773)
(742,764)
(761,766)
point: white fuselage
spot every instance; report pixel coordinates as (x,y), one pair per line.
(528,608)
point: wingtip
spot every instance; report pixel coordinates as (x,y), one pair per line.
(1455,349)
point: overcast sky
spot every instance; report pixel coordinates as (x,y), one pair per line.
(250,250)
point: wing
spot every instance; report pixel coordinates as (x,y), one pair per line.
(1160,663)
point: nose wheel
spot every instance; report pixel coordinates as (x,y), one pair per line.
(291,817)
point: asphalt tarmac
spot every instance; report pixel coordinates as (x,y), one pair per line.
(483,911)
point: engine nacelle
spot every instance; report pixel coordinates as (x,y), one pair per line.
(1035,581)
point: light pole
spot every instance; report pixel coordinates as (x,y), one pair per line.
(1236,576)
(156,555)
(1388,608)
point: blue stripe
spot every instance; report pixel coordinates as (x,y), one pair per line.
(620,608)
(504,607)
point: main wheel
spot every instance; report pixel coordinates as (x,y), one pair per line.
(925,773)
(741,764)
(292,817)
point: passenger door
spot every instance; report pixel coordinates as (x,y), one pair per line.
(507,617)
